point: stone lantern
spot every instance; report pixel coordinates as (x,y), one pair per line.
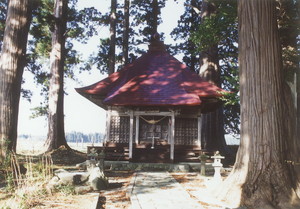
(217,165)
(203,157)
(101,160)
(93,154)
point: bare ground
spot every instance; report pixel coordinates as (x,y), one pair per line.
(115,196)
(197,185)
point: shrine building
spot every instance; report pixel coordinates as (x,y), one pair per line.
(154,108)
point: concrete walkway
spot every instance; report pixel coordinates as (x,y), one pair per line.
(159,190)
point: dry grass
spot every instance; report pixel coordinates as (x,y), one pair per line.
(29,190)
(25,183)
(116,195)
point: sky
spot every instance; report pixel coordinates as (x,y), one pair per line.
(81,115)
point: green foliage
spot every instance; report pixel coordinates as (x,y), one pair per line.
(41,26)
(65,190)
(26,94)
(5,159)
(187,25)
(289,29)
(28,189)
(217,28)
(230,98)
(101,58)
(143,19)
(10,187)
(141,30)
(81,25)
(291,58)
(3,9)
(8,174)
(39,111)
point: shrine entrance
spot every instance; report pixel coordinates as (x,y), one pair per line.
(154,130)
(153,139)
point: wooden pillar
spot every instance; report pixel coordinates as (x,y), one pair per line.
(169,131)
(199,131)
(131,135)
(137,127)
(108,121)
(172,136)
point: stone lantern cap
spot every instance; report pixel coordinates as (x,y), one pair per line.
(217,159)
(93,152)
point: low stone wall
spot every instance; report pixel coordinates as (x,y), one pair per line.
(170,167)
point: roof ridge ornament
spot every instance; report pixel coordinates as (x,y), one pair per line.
(156,44)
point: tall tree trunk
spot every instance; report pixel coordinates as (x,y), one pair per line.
(298,102)
(212,123)
(298,119)
(126,31)
(260,177)
(56,131)
(288,31)
(190,43)
(155,10)
(298,125)
(12,63)
(112,47)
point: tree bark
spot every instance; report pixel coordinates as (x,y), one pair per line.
(260,177)
(126,31)
(155,10)
(297,166)
(212,131)
(298,127)
(12,63)
(56,131)
(112,47)
(190,43)
(288,32)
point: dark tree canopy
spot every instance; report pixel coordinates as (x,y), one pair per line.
(141,28)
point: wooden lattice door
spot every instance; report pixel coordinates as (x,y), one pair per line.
(155,132)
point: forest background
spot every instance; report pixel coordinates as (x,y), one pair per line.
(84,120)
(266,173)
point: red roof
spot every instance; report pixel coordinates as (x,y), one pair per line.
(154,79)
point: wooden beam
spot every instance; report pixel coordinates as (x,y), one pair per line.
(199,130)
(169,131)
(137,127)
(154,113)
(172,136)
(131,135)
(117,113)
(187,116)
